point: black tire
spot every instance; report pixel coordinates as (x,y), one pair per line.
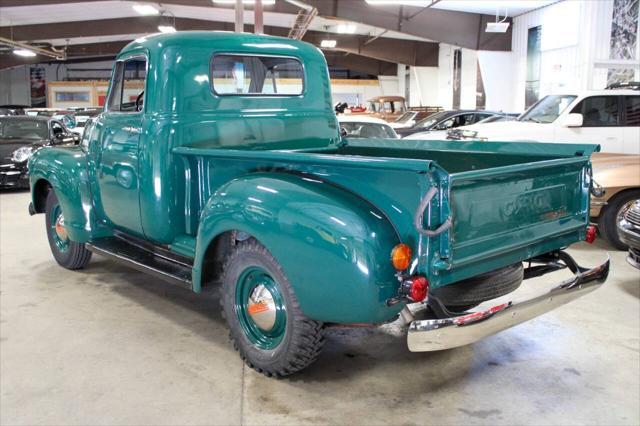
(302,338)
(468,293)
(74,255)
(608,220)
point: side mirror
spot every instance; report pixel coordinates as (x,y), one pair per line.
(69,121)
(573,120)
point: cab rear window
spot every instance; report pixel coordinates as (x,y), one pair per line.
(248,75)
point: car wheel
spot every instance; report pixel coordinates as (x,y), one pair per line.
(68,254)
(266,324)
(614,210)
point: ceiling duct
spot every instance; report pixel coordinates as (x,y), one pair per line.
(303,19)
(58,55)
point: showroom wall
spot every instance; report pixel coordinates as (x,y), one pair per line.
(574,48)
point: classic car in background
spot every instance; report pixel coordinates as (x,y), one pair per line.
(445,120)
(610,118)
(619,176)
(20,137)
(362,126)
(629,230)
(387,108)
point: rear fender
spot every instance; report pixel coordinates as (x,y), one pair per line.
(333,245)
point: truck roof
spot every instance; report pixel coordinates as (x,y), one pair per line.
(189,39)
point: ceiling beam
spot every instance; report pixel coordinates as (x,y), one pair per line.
(107,51)
(452,27)
(409,52)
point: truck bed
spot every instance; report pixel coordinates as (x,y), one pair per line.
(508,201)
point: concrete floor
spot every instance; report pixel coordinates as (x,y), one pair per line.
(111,346)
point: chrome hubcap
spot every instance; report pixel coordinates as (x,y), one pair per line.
(262,308)
(61,231)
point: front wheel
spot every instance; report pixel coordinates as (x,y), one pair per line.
(69,254)
(266,324)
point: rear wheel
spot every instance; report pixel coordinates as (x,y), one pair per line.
(266,324)
(69,254)
(613,212)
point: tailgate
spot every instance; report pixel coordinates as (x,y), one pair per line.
(507,214)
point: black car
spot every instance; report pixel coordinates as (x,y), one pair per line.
(446,120)
(629,232)
(21,136)
(12,110)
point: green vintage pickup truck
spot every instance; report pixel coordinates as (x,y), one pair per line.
(218,164)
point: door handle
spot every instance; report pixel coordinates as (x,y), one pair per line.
(131,129)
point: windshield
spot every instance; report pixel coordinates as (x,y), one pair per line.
(428,122)
(23,129)
(547,109)
(368,130)
(406,117)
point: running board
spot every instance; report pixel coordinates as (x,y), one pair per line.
(131,255)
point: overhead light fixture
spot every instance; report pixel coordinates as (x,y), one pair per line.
(328,43)
(166,28)
(501,25)
(145,9)
(24,52)
(264,2)
(167,23)
(346,28)
(497,27)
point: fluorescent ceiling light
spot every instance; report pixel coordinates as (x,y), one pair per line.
(328,43)
(145,9)
(264,2)
(346,28)
(497,27)
(24,52)
(166,28)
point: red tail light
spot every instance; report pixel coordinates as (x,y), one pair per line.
(591,234)
(416,288)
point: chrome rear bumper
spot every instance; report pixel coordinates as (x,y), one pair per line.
(446,333)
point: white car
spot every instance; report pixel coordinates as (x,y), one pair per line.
(361,126)
(610,118)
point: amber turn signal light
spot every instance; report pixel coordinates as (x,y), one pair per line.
(401,257)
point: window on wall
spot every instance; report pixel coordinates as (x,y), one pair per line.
(457,72)
(599,111)
(72,96)
(256,75)
(127,85)
(532,85)
(481,96)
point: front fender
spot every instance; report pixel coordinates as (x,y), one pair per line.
(65,169)
(333,245)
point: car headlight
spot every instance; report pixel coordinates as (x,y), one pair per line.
(21,154)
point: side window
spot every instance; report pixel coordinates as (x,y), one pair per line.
(599,111)
(57,129)
(481,116)
(127,86)
(256,75)
(632,110)
(462,120)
